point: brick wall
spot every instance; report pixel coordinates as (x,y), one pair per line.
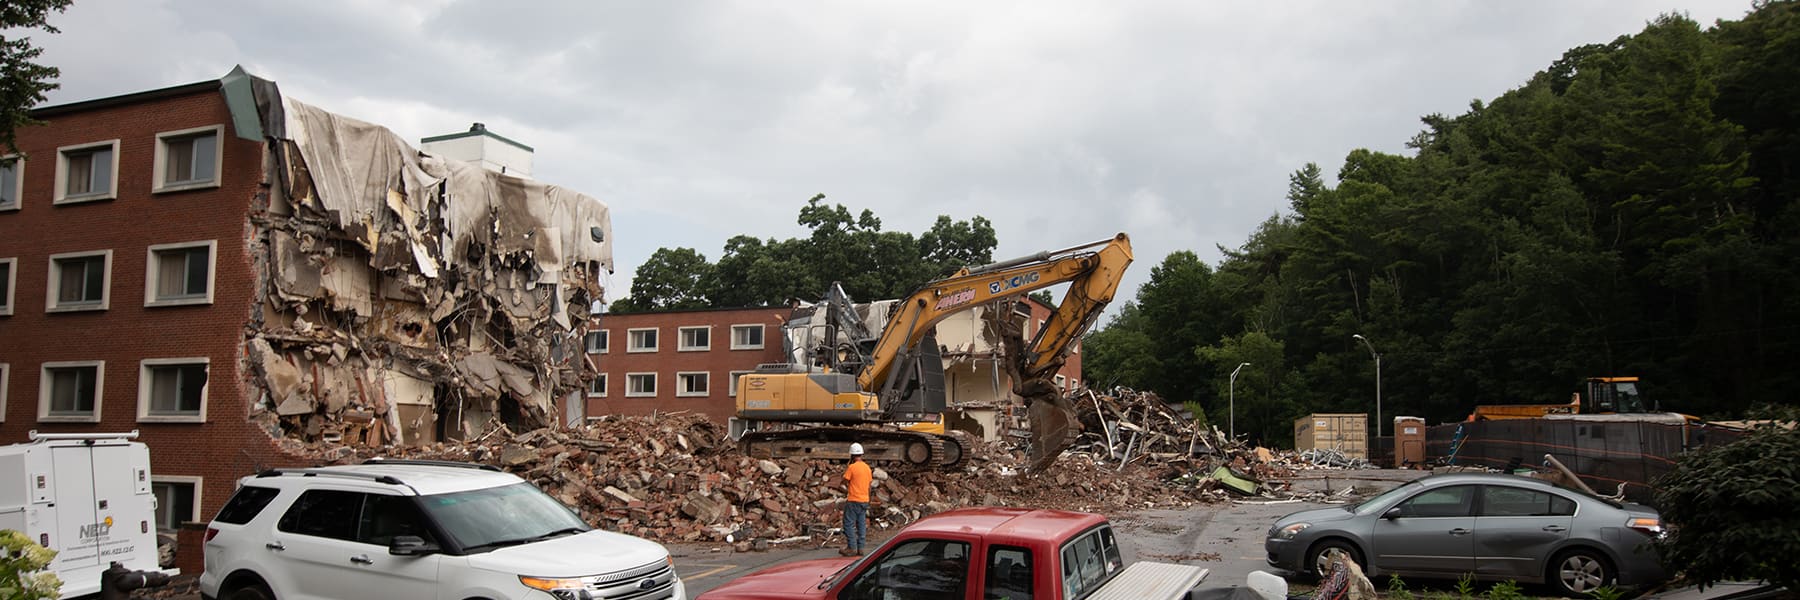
(669,360)
(226,446)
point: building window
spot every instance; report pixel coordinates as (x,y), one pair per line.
(9,271)
(5,384)
(596,341)
(642,340)
(696,338)
(177,500)
(187,159)
(70,391)
(597,387)
(1062,382)
(172,389)
(79,281)
(733,385)
(177,274)
(638,385)
(746,337)
(692,384)
(12,181)
(85,173)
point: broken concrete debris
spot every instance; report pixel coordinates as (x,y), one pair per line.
(677,477)
(407,299)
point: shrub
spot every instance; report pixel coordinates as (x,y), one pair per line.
(21,563)
(1730,510)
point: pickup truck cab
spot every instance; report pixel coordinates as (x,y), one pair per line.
(986,553)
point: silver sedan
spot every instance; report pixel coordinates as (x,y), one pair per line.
(1494,526)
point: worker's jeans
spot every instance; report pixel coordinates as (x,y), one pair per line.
(856,524)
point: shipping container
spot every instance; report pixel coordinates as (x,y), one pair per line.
(1344,432)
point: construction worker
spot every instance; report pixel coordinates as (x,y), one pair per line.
(856,502)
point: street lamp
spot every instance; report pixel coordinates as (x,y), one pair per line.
(1377,356)
(1232,419)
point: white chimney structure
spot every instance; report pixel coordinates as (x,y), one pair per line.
(483,147)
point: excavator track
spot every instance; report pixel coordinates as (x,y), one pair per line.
(912,448)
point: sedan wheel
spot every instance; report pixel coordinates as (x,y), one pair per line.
(1580,572)
(1326,552)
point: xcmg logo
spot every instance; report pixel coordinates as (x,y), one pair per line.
(1012,282)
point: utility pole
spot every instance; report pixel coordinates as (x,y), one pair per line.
(1232,418)
(1377,357)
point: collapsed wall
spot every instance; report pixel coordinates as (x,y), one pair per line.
(403,298)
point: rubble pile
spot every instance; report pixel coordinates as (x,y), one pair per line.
(678,477)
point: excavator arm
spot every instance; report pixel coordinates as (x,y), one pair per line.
(1093,271)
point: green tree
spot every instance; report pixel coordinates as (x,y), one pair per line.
(1731,509)
(670,279)
(23,82)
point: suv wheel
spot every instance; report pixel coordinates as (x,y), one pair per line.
(254,591)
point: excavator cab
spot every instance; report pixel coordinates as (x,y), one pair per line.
(1613,395)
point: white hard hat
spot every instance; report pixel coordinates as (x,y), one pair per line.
(855,449)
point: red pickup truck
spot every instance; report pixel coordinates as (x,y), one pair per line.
(985,553)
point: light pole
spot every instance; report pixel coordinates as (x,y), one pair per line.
(1377,356)
(1232,418)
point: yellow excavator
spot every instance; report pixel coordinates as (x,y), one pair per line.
(886,392)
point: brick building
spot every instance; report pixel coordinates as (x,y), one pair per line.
(199,263)
(689,360)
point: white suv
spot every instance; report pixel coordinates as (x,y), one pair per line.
(415,530)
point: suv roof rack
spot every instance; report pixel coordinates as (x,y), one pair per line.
(387,479)
(430,463)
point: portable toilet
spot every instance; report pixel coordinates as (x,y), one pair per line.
(1409,442)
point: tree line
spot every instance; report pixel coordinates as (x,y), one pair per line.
(1629,210)
(849,249)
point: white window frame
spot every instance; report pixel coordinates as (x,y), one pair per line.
(5,384)
(601,378)
(152,265)
(631,339)
(62,174)
(681,343)
(145,387)
(682,378)
(742,326)
(1062,383)
(44,391)
(605,338)
(159,175)
(12,285)
(732,386)
(634,394)
(18,191)
(199,484)
(52,288)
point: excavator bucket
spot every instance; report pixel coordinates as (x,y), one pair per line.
(1053,429)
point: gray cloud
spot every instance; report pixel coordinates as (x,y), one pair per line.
(1062,122)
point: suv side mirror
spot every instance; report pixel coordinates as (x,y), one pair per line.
(1391,514)
(411,545)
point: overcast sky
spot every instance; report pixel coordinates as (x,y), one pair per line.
(1176,122)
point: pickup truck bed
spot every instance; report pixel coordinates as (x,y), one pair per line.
(1151,580)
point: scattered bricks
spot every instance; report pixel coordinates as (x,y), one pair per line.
(513,456)
(620,495)
(768,467)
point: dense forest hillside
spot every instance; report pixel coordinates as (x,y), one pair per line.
(1629,210)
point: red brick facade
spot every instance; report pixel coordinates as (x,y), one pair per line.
(225,446)
(669,361)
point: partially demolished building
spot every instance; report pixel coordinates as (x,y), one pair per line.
(250,281)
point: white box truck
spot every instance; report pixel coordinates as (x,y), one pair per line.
(86,496)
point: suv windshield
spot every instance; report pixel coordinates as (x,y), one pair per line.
(500,516)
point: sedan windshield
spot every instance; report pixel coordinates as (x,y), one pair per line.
(1400,490)
(501,516)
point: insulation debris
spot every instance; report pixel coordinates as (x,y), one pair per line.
(408,299)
